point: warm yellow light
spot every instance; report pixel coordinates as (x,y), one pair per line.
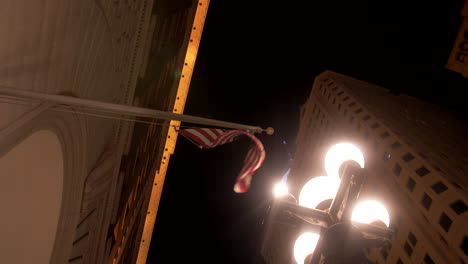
(318,190)
(305,245)
(370,211)
(280,189)
(340,153)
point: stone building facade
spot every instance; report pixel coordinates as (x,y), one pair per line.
(80,185)
(416,155)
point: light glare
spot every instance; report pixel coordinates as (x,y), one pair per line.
(318,190)
(370,211)
(340,153)
(304,246)
(280,189)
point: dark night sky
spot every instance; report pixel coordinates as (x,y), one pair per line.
(256,65)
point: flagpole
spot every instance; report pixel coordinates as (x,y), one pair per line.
(128,110)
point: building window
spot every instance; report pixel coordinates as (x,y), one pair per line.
(340,93)
(428,260)
(464,245)
(455,184)
(352,104)
(445,222)
(395,145)
(366,117)
(408,249)
(384,253)
(386,156)
(443,239)
(426,201)
(422,171)
(358,111)
(439,187)
(375,125)
(346,98)
(407,157)
(397,169)
(459,207)
(412,239)
(461,57)
(399,261)
(385,135)
(410,184)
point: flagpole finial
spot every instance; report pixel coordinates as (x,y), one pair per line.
(270,131)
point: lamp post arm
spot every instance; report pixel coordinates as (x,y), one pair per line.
(352,179)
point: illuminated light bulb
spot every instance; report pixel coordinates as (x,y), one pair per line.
(340,153)
(280,189)
(305,245)
(318,190)
(370,211)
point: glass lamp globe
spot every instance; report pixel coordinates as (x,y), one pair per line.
(318,190)
(370,211)
(305,245)
(340,153)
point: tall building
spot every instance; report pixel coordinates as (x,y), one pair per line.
(458,58)
(417,158)
(79,185)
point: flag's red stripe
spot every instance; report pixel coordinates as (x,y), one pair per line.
(217,132)
(206,135)
(188,134)
(226,137)
(196,136)
(249,161)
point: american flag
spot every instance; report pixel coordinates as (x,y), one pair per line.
(212,137)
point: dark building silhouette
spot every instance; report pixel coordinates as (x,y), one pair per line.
(458,59)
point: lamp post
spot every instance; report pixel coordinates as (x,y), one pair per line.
(338,232)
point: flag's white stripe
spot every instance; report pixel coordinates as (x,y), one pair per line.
(260,156)
(249,161)
(221,138)
(199,136)
(210,132)
(227,137)
(230,137)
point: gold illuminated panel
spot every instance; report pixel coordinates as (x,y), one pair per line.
(169,147)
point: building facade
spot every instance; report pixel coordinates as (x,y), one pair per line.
(80,185)
(416,156)
(458,58)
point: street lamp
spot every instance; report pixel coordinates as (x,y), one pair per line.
(318,190)
(346,218)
